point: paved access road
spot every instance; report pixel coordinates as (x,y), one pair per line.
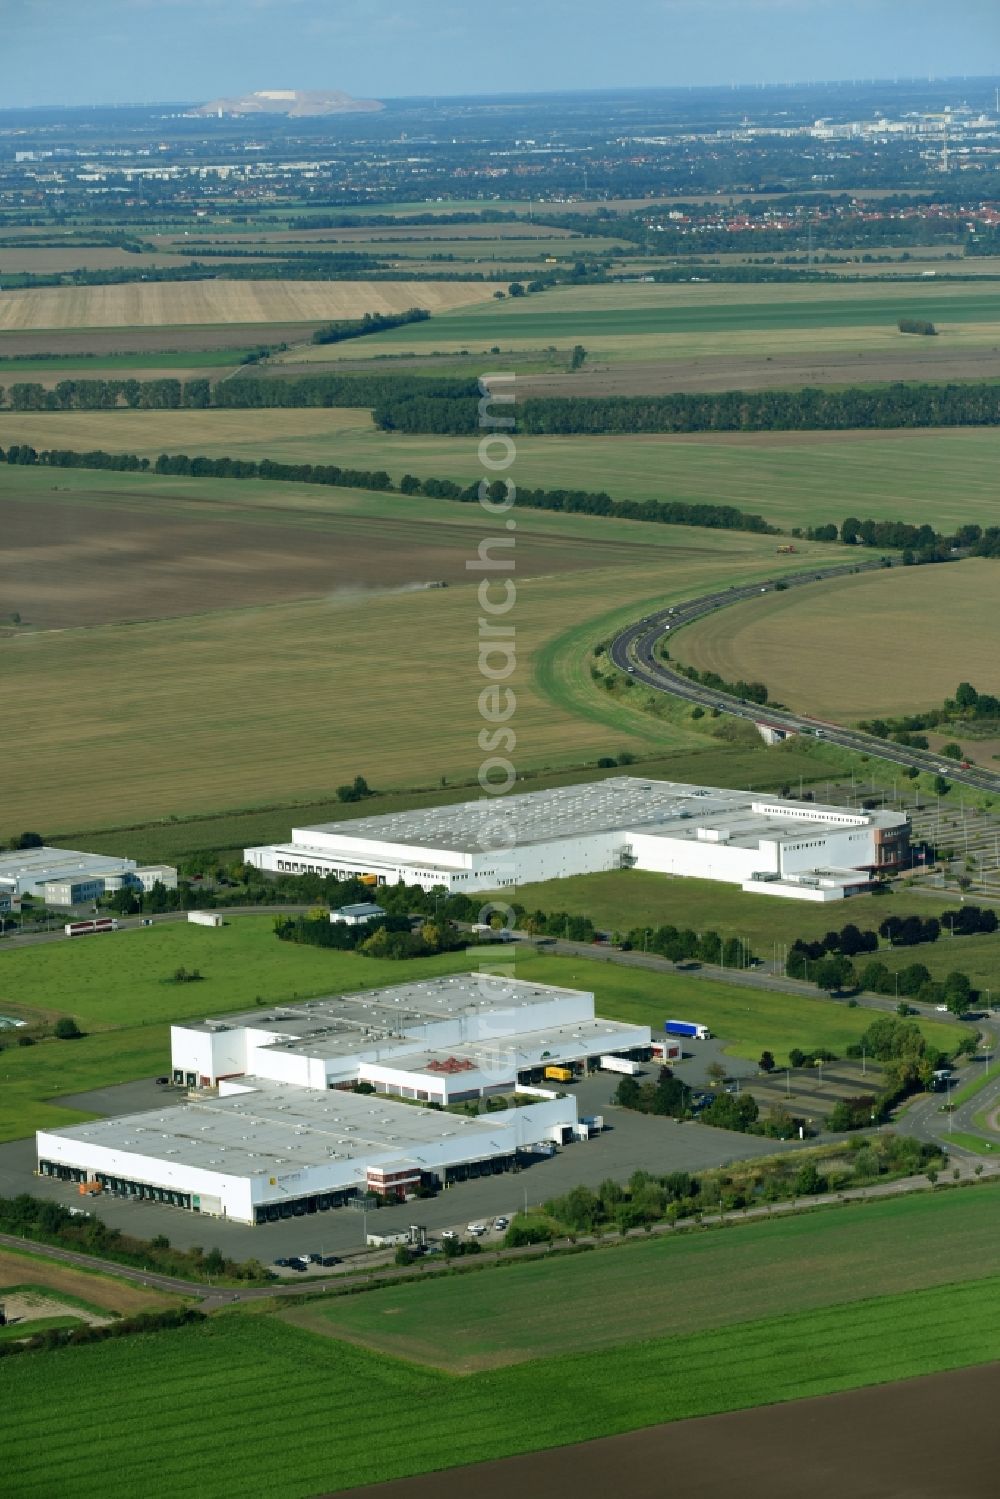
(633,651)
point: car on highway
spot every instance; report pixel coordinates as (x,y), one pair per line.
(941,1009)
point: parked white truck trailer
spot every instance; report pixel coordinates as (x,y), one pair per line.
(619,1064)
(204,918)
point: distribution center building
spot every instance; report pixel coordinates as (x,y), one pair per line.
(799,849)
(276,1127)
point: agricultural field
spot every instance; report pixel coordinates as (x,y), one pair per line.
(158,303)
(253,1373)
(680,321)
(290,700)
(79,557)
(689,1284)
(945,477)
(874,645)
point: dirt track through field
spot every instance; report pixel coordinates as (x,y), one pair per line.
(932,1438)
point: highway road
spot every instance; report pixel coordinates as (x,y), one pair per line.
(633,651)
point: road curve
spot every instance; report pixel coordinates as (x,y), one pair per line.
(633,651)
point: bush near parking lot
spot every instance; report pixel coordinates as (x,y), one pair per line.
(647,1198)
(50,1223)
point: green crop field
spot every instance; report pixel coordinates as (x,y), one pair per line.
(875,645)
(327,1399)
(689,1283)
(945,477)
(680,320)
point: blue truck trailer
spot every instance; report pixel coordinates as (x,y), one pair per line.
(687,1028)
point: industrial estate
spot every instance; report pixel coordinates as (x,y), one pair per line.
(497,616)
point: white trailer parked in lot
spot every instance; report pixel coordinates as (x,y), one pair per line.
(205,918)
(619,1064)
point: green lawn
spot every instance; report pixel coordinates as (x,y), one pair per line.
(688,1283)
(976,1143)
(124,980)
(748,1021)
(182,1398)
(620,899)
(118,989)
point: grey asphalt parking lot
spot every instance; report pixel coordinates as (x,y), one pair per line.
(629,1142)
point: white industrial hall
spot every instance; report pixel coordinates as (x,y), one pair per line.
(799,849)
(296,1110)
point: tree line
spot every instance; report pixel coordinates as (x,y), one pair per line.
(372,322)
(571,501)
(246,391)
(806,409)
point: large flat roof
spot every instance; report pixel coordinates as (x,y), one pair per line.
(617,804)
(387,1013)
(57,864)
(277,1129)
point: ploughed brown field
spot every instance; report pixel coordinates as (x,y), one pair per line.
(66,564)
(931,1438)
(917,359)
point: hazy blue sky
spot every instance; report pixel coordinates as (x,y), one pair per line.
(97,51)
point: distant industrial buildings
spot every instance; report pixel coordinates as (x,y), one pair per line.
(276,1127)
(67,877)
(799,849)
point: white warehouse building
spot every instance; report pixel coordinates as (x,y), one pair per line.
(799,849)
(277,1129)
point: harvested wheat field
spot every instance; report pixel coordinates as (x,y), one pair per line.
(152,304)
(869,646)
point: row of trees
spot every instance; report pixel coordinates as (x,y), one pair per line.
(679,1195)
(570,501)
(752,692)
(50,1223)
(967,706)
(806,409)
(372,322)
(169,394)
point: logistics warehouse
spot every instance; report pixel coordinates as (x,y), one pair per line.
(276,1128)
(799,849)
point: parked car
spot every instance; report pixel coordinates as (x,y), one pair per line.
(501,1223)
(162,1081)
(282,1263)
(331,1259)
(298,1263)
(314,1259)
(477,1229)
(941,1009)
(449,1233)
